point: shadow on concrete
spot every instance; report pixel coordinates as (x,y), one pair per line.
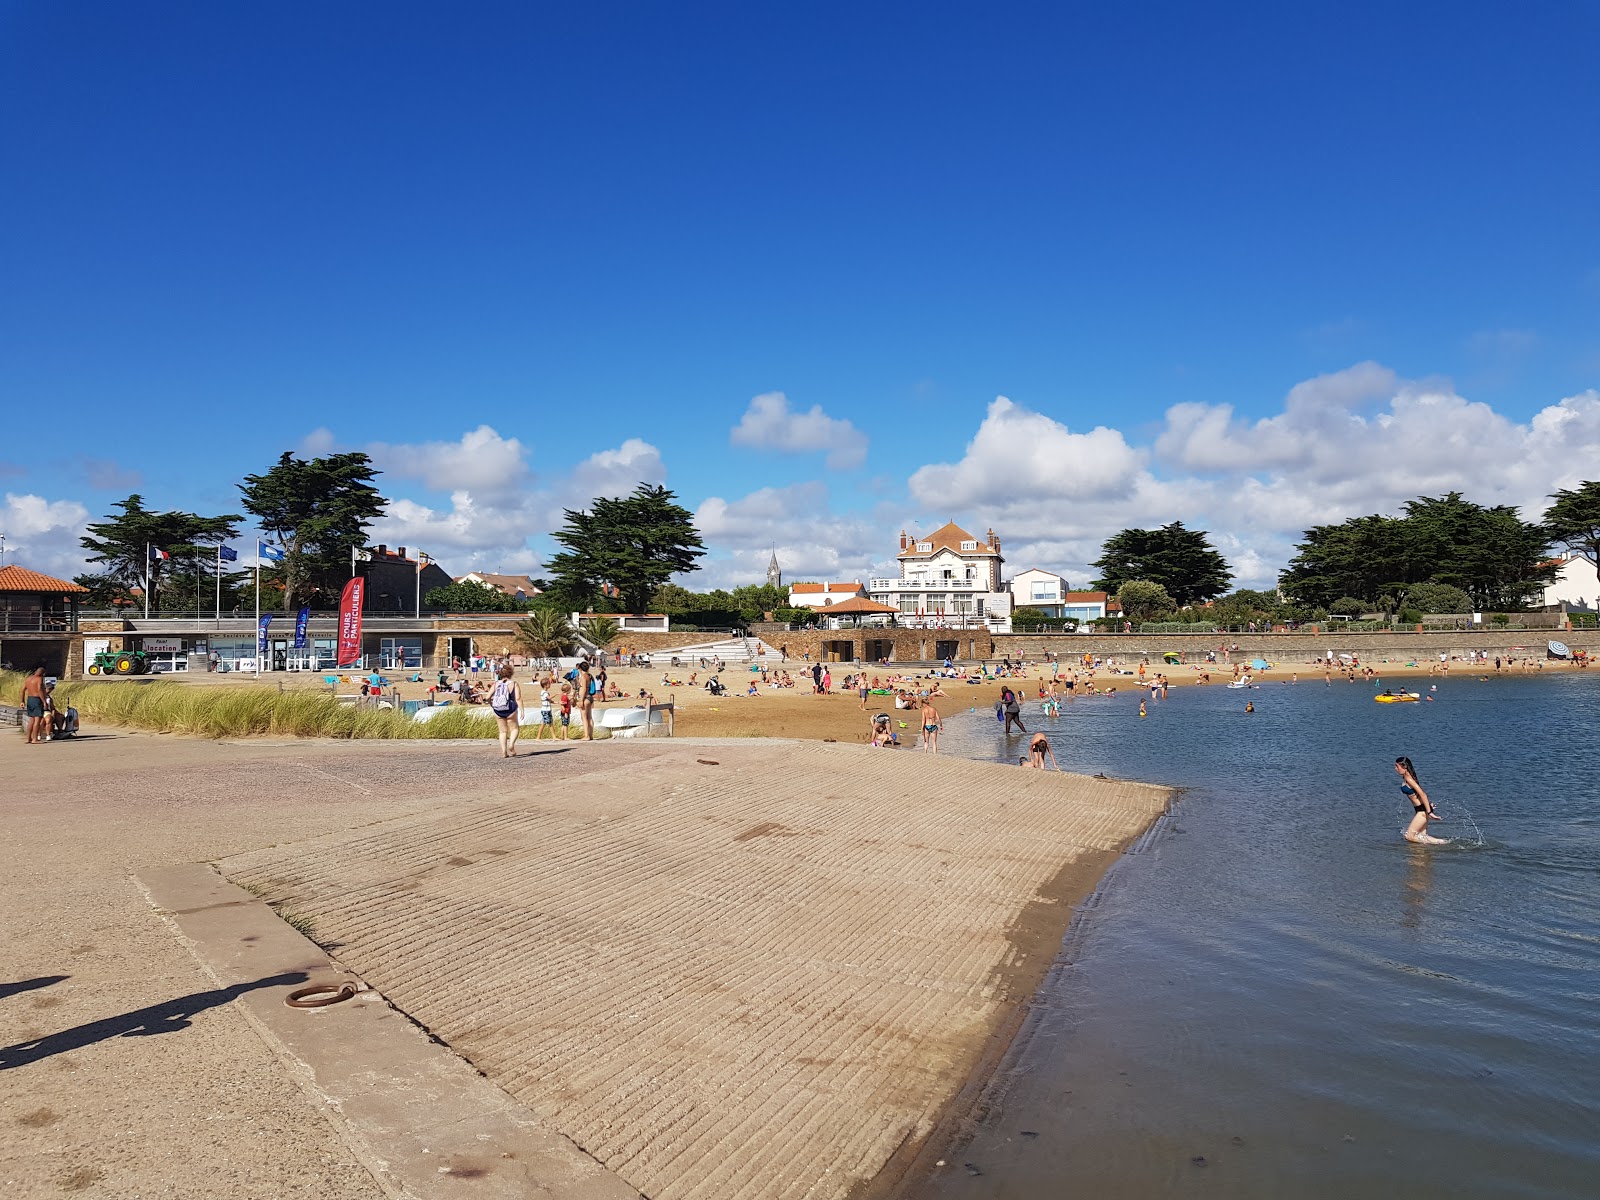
(167,1017)
(28,985)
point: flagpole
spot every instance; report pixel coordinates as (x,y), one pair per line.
(147,581)
(419,585)
(258,608)
(219,585)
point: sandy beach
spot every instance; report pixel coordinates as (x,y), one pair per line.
(841,717)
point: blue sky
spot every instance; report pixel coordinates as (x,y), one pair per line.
(1251,267)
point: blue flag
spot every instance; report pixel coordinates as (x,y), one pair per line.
(302,619)
(227,554)
(261,636)
(270,553)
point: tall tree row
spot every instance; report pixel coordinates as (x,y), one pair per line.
(1499,560)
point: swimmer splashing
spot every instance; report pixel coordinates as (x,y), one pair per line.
(1421,806)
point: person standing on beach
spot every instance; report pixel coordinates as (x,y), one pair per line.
(931,724)
(547,710)
(1421,807)
(585,689)
(506,704)
(1011,707)
(33,706)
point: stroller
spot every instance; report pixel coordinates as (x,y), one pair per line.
(63,723)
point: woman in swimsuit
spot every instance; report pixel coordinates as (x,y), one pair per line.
(1421,806)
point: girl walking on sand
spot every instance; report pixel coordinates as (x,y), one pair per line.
(506,704)
(1421,807)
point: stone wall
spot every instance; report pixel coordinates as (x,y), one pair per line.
(1298,647)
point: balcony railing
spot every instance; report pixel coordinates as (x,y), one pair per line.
(23,621)
(926,585)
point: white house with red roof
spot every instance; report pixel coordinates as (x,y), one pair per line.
(949,579)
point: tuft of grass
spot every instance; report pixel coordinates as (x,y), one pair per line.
(228,712)
(302,924)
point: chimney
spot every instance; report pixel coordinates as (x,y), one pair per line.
(383,551)
(401,551)
(903,542)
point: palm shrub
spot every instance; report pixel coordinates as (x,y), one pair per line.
(545,633)
(602,631)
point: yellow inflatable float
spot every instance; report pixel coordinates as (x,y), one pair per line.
(1398,697)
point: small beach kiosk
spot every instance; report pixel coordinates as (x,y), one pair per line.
(38,619)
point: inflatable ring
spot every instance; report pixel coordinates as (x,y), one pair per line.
(320,995)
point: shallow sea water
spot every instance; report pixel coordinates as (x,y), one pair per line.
(1273,981)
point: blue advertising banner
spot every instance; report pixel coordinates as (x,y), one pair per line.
(261,636)
(302,619)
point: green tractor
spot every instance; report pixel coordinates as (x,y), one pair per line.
(120,662)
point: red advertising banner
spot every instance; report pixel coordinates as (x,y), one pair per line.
(350,622)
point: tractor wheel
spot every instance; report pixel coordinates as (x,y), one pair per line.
(141,666)
(94,668)
(126,664)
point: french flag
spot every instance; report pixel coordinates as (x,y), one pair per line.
(158,555)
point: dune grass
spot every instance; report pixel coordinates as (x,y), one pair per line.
(224,712)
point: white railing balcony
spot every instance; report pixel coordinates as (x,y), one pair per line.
(925,585)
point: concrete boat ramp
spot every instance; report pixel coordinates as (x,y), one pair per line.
(750,969)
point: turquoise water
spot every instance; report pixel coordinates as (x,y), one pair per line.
(1275,982)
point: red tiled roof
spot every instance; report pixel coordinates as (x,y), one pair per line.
(858,604)
(800,589)
(20,579)
(947,537)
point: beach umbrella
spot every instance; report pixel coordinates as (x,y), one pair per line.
(1172,656)
(1259,664)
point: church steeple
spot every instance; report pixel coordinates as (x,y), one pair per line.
(774,573)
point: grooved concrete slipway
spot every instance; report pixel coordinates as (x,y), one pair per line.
(753,970)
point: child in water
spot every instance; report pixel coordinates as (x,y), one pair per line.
(1421,807)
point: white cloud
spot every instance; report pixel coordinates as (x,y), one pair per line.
(1358,441)
(613,473)
(495,507)
(1018,453)
(812,541)
(480,460)
(42,535)
(769,424)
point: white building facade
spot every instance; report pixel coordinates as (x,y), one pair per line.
(949,579)
(1577,585)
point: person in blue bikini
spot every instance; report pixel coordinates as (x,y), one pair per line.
(1422,807)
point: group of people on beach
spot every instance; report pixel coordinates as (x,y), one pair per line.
(578,690)
(43,719)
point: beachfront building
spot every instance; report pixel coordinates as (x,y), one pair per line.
(38,620)
(824,595)
(517,587)
(1036,588)
(949,579)
(1576,585)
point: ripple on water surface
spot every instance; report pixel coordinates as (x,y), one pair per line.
(1280,986)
